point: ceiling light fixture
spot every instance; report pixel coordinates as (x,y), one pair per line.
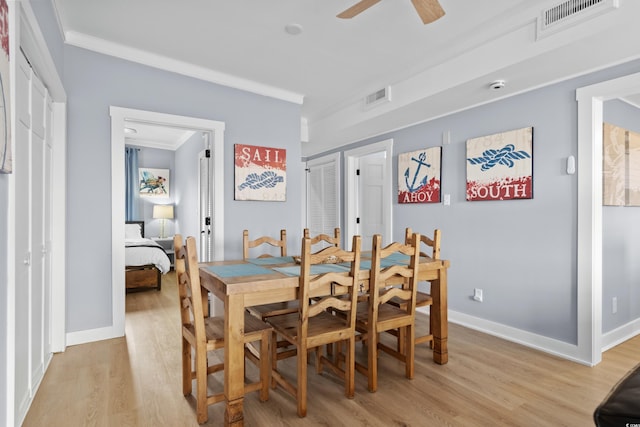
(293,29)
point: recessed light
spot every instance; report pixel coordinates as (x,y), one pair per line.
(293,29)
(130,131)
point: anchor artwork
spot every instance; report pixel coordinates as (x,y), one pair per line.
(499,166)
(260,173)
(419,176)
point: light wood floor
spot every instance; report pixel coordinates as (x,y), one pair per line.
(135,381)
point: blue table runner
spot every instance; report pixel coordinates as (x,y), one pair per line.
(315,269)
(271,260)
(235,270)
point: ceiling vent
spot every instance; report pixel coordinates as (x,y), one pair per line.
(570,13)
(377,98)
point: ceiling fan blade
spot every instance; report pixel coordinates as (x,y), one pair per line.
(429,10)
(357,8)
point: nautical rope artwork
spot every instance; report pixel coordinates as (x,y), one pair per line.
(419,176)
(499,166)
(260,173)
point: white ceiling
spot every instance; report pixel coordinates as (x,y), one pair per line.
(432,69)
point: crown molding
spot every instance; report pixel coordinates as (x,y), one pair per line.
(164,63)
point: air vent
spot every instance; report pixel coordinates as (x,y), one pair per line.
(378,97)
(570,13)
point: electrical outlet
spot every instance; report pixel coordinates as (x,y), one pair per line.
(614,305)
(477,294)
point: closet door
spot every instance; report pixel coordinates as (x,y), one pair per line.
(33,213)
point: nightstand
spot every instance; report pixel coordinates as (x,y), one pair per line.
(167,245)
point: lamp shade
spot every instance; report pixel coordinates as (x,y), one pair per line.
(163,211)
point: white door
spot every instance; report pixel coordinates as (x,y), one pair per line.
(32,235)
(205,202)
(371,204)
(368,193)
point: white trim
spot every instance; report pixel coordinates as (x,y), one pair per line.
(527,339)
(59,229)
(164,63)
(350,165)
(589,244)
(620,334)
(118,117)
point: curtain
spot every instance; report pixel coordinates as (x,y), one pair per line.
(131,184)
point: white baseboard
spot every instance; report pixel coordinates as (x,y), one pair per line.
(91,335)
(527,339)
(621,334)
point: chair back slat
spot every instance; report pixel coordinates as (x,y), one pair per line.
(264,240)
(325,239)
(403,277)
(317,294)
(433,243)
(184,294)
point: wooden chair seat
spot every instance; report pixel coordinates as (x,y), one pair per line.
(265,311)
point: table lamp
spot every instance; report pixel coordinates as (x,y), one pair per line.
(162,212)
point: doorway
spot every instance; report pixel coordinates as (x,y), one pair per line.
(118,118)
(590,116)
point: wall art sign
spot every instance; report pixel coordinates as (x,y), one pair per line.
(500,166)
(620,167)
(6,159)
(153,182)
(260,173)
(419,176)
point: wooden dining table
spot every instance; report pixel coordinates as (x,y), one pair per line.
(245,283)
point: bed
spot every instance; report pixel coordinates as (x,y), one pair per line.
(145,260)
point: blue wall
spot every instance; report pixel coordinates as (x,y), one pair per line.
(94,82)
(522,253)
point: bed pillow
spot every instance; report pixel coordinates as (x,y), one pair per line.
(132,231)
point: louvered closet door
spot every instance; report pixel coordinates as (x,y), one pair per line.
(33,213)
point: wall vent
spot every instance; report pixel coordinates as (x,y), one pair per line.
(570,13)
(378,97)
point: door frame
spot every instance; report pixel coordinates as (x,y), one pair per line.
(118,117)
(589,243)
(351,160)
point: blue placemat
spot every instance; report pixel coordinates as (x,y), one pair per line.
(235,270)
(315,269)
(271,260)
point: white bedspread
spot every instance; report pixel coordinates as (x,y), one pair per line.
(138,252)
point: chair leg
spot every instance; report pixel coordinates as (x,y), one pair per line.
(301,391)
(372,359)
(201,386)
(349,368)
(410,347)
(264,366)
(186,368)
(274,357)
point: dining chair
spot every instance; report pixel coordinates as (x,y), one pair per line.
(204,334)
(266,243)
(325,239)
(389,279)
(423,299)
(314,325)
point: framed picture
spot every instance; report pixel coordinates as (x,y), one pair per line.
(153,182)
(260,173)
(6,158)
(419,176)
(500,166)
(620,166)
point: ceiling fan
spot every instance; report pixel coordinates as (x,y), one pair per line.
(429,10)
